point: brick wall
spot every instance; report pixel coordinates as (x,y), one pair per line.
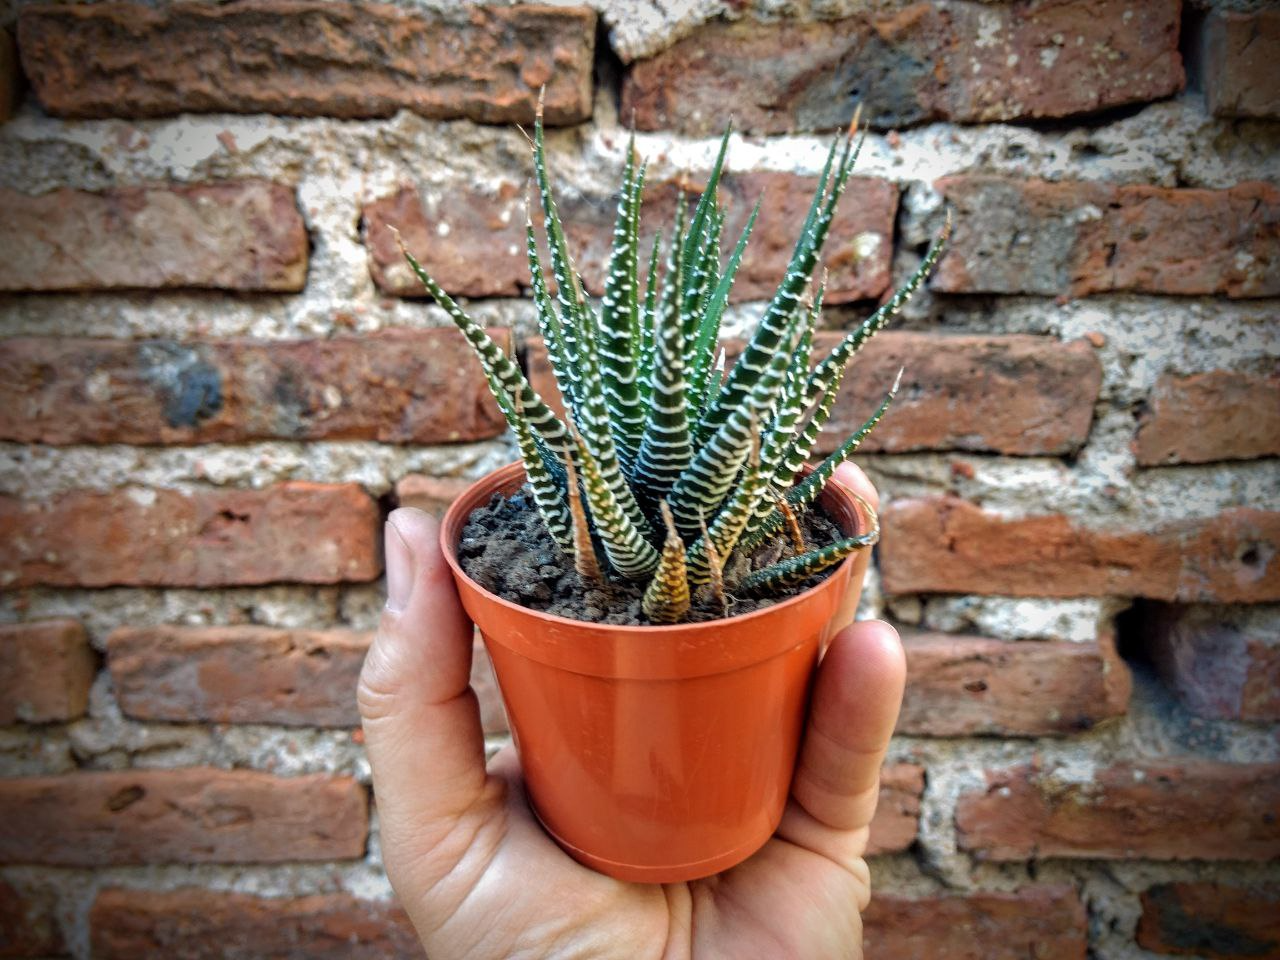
(216,378)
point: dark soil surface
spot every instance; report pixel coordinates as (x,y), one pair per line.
(506,549)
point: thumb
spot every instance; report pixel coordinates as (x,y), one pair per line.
(421,719)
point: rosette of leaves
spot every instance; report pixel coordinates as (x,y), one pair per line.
(665,465)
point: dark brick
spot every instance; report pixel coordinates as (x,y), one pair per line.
(29,925)
(9,80)
(195,924)
(1210,920)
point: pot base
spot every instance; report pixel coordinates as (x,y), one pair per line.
(666,873)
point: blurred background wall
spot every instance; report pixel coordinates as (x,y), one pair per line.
(216,378)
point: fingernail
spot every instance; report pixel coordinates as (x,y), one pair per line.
(399,568)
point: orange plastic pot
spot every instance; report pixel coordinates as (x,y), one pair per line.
(658,754)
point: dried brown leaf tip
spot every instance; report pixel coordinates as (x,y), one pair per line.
(666,600)
(584,553)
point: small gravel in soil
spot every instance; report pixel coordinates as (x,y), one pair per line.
(506,549)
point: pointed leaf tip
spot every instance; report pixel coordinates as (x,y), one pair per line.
(897,380)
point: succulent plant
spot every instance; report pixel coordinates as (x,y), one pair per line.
(666,461)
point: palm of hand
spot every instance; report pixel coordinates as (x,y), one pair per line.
(480,878)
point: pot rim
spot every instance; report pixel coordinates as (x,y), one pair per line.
(455,518)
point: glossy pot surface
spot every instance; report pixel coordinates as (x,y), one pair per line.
(658,754)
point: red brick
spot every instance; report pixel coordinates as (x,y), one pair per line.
(961,686)
(897,817)
(8,75)
(1002,394)
(245,235)
(1219,415)
(251,674)
(296,532)
(942,544)
(402,386)
(240,674)
(1044,923)
(1075,239)
(309,59)
(1238,56)
(1175,810)
(46,669)
(1209,920)
(198,815)
(968,62)
(1220,669)
(432,494)
(29,924)
(482,254)
(194,924)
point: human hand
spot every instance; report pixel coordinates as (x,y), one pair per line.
(479,877)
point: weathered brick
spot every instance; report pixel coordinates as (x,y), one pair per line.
(1210,920)
(432,494)
(242,235)
(420,386)
(1175,810)
(195,924)
(239,674)
(1219,668)
(968,62)
(1047,923)
(1219,415)
(473,241)
(1016,394)
(897,818)
(8,75)
(1077,238)
(309,58)
(251,674)
(1238,57)
(299,532)
(1003,394)
(196,815)
(29,924)
(961,686)
(46,669)
(943,544)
